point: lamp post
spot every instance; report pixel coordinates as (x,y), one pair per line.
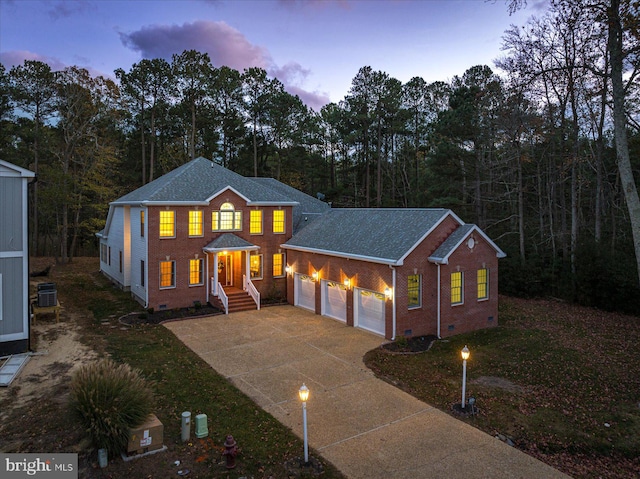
(465,355)
(303,393)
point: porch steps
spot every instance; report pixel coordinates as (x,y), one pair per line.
(238,301)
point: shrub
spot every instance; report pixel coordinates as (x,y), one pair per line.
(109,399)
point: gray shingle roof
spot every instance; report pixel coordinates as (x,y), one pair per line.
(229,241)
(197,182)
(451,243)
(310,208)
(383,235)
(455,239)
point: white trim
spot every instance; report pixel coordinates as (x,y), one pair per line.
(431,230)
(1,302)
(476,229)
(370,259)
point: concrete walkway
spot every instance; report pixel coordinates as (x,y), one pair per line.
(364,426)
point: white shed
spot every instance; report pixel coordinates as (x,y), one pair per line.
(14,258)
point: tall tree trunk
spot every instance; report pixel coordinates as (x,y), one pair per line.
(152,145)
(629,187)
(520,207)
(36,228)
(143,145)
(192,141)
(379,168)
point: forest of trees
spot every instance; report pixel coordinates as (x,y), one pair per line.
(544,157)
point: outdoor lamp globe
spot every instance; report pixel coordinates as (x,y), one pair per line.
(465,353)
(303,392)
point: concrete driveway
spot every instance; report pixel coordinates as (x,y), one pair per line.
(364,426)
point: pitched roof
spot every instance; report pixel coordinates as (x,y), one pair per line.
(455,239)
(9,169)
(229,241)
(382,235)
(199,180)
(310,208)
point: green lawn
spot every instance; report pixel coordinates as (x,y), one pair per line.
(181,382)
(569,389)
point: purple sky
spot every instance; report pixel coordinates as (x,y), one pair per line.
(314,47)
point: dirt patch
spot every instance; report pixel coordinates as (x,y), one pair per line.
(57,353)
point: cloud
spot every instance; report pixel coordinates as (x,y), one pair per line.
(224,44)
(17,57)
(314,100)
(63,9)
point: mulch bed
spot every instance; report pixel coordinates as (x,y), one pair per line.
(413,345)
(158,317)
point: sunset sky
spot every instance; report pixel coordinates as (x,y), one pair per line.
(314,47)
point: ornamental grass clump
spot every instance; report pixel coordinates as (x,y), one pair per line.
(109,399)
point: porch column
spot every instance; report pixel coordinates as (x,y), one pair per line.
(215,274)
(247,270)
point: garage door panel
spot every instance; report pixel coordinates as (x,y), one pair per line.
(305,292)
(334,300)
(369,311)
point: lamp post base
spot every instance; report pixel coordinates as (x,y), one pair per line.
(468,410)
(296,467)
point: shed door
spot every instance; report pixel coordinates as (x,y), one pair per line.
(369,310)
(305,292)
(334,300)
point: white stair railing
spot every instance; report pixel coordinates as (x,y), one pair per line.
(251,289)
(224,298)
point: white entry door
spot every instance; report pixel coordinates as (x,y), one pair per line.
(334,300)
(304,293)
(368,310)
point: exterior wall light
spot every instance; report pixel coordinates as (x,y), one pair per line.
(288,269)
(388,293)
(314,275)
(347,283)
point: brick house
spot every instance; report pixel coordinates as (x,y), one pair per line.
(203,234)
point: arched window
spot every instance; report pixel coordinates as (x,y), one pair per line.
(227,219)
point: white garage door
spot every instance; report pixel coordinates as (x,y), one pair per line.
(334,300)
(305,292)
(369,310)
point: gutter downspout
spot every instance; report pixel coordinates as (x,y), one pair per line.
(439,293)
(393,304)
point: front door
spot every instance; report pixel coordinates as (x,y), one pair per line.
(225,270)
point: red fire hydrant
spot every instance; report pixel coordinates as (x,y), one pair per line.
(230,451)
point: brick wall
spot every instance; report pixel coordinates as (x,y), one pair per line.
(422,320)
(182,248)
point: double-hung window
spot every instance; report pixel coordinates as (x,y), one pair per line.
(196,272)
(255,222)
(456,287)
(483,283)
(167,224)
(278,221)
(195,223)
(142,223)
(167,274)
(414,290)
(278,265)
(255,265)
(227,219)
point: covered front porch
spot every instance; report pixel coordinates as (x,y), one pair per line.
(230,263)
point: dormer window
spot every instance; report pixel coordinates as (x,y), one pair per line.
(227,219)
